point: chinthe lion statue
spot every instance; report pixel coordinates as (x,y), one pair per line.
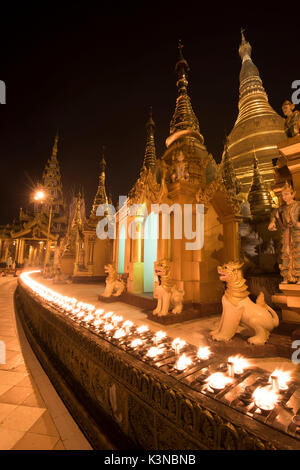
(166,291)
(113,285)
(238,308)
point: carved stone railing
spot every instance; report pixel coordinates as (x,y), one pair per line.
(110,392)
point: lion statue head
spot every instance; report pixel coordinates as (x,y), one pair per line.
(231,272)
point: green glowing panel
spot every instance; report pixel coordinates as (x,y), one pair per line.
(121,250)
(150,250)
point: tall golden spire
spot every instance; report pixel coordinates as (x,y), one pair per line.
(150,151)
(52,182)
(54,150)
(184,118)
(257,124)
(259,196)
(101,197)
(253,98)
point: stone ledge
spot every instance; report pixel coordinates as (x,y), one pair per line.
(153,410)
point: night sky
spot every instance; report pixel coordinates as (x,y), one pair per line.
(93,71)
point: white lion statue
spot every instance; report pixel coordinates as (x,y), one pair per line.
(165,291)
(113,285)
(239,308)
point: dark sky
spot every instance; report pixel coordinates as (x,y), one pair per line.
(93,71)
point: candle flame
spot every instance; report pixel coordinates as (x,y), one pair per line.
(218,380)
(155,351)
(204,352)
(265,398)
(178,344)
(284,377)
(142,329)
(240,363)
(136,342)
(183,362)
(119,333)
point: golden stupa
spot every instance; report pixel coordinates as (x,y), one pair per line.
(257,125)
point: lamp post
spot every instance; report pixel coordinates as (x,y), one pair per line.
(40,196)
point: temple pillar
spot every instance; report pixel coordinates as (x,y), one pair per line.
(231,238)
(21,252)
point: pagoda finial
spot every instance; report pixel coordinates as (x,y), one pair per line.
(184,117)
(245,47)
(54,150)
(150,151)
(101,197)
(102,161)
(181,68)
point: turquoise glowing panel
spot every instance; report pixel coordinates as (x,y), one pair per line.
(121,260)
(150,250)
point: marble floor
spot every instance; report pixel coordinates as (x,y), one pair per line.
(32,416)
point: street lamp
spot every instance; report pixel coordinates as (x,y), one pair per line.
(41,197)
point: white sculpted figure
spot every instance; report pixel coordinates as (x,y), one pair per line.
(166,291)
(239,308)
(113,285)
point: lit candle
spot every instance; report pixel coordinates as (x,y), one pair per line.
(265,398)
(142,329)
(204,353)
(178,344)
(218,381)
(239,364)
(283,378)
(159,335)
(183,362)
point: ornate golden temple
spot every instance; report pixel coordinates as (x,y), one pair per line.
(191,240)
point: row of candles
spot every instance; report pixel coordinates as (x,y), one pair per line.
(114,326)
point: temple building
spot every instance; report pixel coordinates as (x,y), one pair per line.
(31,241)
(83,255)
(257,125)
(185,174)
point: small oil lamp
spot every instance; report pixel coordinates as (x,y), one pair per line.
(119,333)
(237,365)
(178,344)
(88,318)
(127,325)
(116,319)
(99,312)
(283,378)
(108,327)
(136,343)
(183,362)
(203,353)
(159,335)
(142,329)
(108,315)
(98,322)
(154,351)
(218,381)
(265,398)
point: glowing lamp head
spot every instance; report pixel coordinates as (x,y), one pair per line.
(39,195)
